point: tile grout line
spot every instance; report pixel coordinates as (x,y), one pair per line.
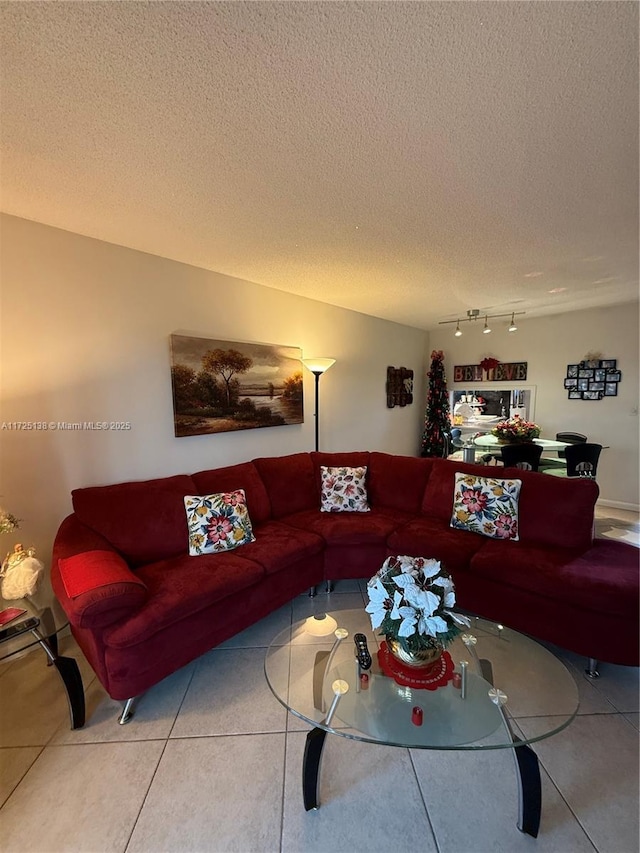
(157,767)
(424,804)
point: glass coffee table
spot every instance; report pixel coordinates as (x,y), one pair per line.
(40,626)
(500,675)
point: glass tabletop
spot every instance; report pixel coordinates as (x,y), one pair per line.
(547,444)
(508,676)
(17,634)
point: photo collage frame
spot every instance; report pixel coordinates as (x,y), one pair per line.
(592,380)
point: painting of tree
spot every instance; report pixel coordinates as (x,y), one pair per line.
(220,386)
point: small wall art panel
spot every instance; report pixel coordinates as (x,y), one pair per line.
(399,387)
(592,379)
(221,386)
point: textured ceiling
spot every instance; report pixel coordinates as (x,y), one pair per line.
(410,160)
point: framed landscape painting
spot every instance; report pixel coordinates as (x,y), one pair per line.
(222,386)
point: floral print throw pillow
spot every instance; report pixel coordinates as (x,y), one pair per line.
(217,522)
(343,490)
(487,506)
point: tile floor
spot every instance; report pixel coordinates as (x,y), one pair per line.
(211,762)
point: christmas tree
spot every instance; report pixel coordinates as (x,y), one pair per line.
(437,425)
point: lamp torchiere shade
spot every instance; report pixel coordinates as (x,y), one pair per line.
(318,366)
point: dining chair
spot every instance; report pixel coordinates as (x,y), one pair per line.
(521,455)
(582,459)
(570,438)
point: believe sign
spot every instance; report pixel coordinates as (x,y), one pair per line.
(509,371)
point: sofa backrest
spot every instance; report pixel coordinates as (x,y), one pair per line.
(243,476)
(438,494)
(290,483)
(349,459)
(145,520)
(397,482)
(552,511)
(556,511)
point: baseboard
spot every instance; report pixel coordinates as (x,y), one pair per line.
(619,505)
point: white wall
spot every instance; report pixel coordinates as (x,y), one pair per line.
(548,345)
(85,337)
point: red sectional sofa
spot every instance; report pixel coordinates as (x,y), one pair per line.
(140,608)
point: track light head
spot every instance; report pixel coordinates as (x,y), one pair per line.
(486,329)
(458,331)
(512,326)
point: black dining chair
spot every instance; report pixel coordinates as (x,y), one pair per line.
(525,456)
(570,438)
(582,459)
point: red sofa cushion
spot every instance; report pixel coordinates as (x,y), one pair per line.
(432,537)
(290,483)
(180,587)
(243,476)
(560,516)
(145,520)
(603,579)
(278,546)
(397,482)
(348,528)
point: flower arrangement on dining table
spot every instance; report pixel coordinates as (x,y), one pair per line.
(410,600)
(516,429)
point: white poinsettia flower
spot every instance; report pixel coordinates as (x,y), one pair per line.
(458,618)
(409,618)
(404,581)
(422,599)
(448,595)
(449,599)
(377,607)
(432,625)
(430,568)
(395,610)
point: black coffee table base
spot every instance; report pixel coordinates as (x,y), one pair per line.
(529,788)
(529,785)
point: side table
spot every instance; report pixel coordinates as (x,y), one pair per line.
(41,626)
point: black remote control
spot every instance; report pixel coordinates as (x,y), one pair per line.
(362,652)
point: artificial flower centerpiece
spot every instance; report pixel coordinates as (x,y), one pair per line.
(410,600)
(516,429)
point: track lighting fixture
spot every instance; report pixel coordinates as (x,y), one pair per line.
(474,314)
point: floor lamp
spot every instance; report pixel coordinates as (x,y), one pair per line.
(318,366)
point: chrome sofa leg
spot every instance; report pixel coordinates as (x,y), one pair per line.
(592,668)
(127,711)
(329,586)
(312,592)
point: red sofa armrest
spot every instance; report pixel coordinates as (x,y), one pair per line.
(92,582)
(97,588)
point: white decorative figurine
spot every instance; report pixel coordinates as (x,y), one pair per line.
(20,573)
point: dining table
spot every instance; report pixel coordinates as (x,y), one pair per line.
(490,442)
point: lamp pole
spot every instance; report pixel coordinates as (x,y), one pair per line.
(317,374)
(318,366)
